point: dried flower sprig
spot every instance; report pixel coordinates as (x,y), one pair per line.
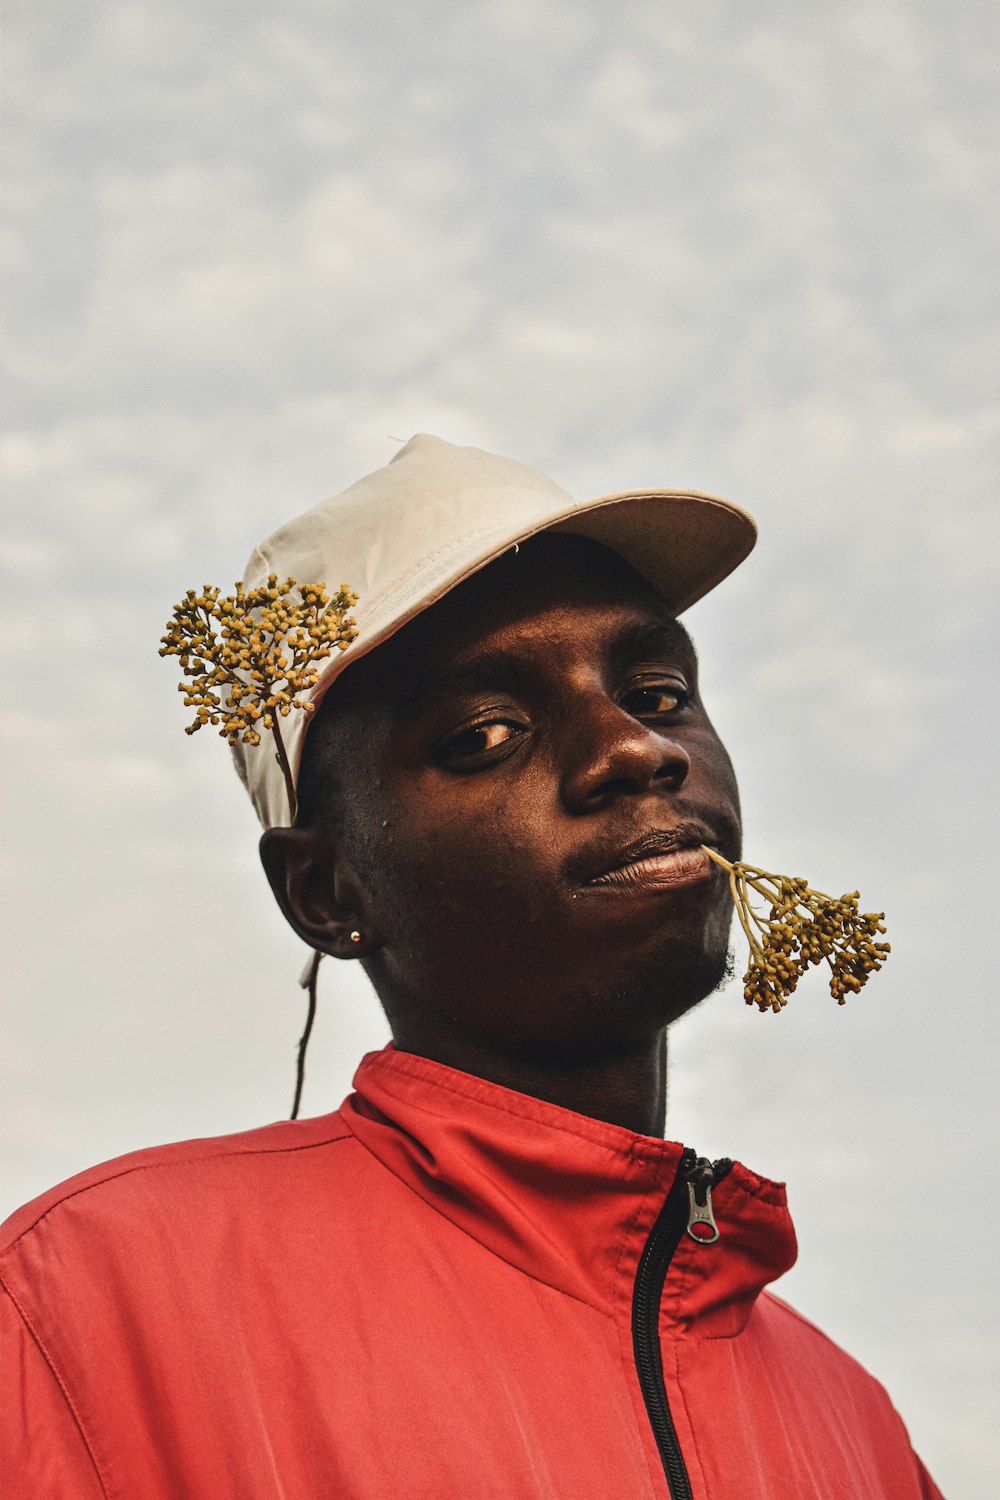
(802,927)
(250,655)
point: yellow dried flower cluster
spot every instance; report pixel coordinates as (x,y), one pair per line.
(250,655)
(803,927)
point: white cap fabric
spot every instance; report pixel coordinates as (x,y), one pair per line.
(402,537)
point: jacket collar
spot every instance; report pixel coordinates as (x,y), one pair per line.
(566,1199)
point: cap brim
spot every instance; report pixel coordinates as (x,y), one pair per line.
(683,541)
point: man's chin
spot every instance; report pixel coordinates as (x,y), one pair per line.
(651,996)
(665,1002)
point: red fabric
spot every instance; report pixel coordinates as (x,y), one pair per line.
(427,1293)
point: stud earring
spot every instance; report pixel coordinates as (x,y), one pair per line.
(355,937)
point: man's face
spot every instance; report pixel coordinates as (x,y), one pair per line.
(527,774)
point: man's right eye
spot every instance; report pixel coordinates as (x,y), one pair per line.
(478,740)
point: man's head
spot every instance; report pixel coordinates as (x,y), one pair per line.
(506,799)
(406,534)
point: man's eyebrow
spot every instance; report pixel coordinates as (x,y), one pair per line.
(487,672)
(494,670)
(653,638)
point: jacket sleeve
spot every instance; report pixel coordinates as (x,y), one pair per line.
(43,1455)
(928,1489)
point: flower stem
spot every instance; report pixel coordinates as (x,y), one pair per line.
(286,772)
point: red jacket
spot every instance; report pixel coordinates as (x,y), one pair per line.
(445,1289)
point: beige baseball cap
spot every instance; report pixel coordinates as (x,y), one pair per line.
(406,534)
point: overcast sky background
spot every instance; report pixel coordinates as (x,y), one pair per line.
(750,250)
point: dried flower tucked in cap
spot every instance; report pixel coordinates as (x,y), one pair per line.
(250,655)
(803,927)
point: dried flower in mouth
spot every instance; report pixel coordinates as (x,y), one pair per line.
(803,927)
(250,655)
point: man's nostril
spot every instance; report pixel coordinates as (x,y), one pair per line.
(628,757)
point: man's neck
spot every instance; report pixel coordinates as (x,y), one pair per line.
(628,1089)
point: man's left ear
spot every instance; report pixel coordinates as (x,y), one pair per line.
(318,891)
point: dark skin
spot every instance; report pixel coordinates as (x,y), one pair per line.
(494,761)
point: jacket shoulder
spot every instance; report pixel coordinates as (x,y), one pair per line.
(856,1395)
(806,1329)
(175,1171)
(819,1348)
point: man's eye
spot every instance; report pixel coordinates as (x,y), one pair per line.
(478,740)
(651,702)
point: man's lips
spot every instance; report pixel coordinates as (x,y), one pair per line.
(662,859)
(659,872)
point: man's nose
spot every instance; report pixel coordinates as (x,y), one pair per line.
(609,753)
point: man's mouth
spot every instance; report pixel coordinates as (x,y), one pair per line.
(665,859)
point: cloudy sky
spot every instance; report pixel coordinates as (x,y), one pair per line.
(745,249)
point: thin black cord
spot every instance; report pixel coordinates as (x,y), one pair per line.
(300,1070)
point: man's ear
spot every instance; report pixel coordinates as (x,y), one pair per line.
(318,891)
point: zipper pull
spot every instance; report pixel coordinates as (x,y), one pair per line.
(701,1225)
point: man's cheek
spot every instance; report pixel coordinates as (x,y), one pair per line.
(476,894)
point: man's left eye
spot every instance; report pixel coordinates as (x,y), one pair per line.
(653,701)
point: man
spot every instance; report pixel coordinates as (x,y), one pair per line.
(487,1274)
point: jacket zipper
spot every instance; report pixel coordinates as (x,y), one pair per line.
(687,1208)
